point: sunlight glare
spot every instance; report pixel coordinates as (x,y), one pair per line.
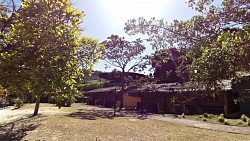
(122,10)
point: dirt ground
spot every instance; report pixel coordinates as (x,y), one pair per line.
(87,123)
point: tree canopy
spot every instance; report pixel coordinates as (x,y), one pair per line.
(170,65)
(42,51)
(217,39)
(120,52)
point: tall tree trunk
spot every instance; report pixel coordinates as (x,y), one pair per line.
(114,103)
(122,90)
(37,106)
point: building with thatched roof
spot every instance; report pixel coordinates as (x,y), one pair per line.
(185,98)
(107,97)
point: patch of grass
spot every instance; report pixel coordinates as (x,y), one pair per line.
(219,119)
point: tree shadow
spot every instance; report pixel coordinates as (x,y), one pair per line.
(93,114)
(18,129)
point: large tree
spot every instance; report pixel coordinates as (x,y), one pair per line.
(124,55)
(217,39)
(170,65)
(41,51)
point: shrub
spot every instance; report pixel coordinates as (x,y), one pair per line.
(248,122)
(222,115)
(240,123)
(226,122)
(205,115)
(204,119)
(244,117)
(221,119)
(17,103)
(89,86)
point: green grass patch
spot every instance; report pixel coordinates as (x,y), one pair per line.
(218,119)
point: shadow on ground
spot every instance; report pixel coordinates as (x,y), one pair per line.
(18,129)
(94,114)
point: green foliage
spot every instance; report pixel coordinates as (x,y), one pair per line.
(65,99)
(205,115)
(90,86)
(221,118)
(17,103)
(226,122)
(244,118)
(119,52)
(170,65)
(204,119)
(248,122)
(217,39)
(43,53)
(3,92)
(240,123)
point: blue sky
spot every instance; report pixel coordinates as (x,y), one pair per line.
(106,17)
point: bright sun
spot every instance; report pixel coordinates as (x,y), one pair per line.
(122,10)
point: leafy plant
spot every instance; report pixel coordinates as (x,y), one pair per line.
(226,122)
(240,123)
(221,118)
(248,122)
(18,103)
(204,119)
(244,118)
(89,86)
(42,52)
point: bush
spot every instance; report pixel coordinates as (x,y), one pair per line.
(244,117)
(18,103)
(248,122)
(64,100)
(226,122)
(205,115)
(240,123)
(222,115)
(220,119)
(204,119)
(89,86)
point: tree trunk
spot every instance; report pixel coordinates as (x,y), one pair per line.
(122,90)
(114,104)
(37,106)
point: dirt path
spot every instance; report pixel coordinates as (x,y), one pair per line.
(204,125)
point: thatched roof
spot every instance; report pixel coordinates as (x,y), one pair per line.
(178,87)
(164,88)
(104,90)
(115,76)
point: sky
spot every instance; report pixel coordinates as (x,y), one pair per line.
(106,17)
